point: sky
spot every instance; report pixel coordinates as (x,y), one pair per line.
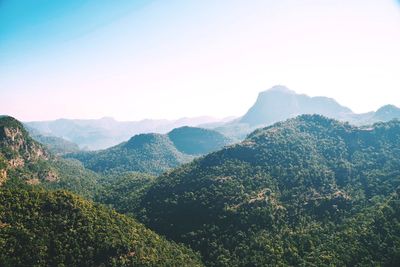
(183,58)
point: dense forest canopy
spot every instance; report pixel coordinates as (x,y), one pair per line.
(43,228)
(308,191)
(287,192)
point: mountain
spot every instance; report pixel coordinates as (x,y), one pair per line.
(197,141)
(107,132)
(57,145)
(18,151)
(123,191)
(387,113)
(57,228)
(23,158)
(279,103)
(153,153)
(310,191)
(42,227)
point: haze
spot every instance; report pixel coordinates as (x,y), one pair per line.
(168,59)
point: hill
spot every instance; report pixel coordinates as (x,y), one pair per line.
(106,132)
(151,153)
(386,113)
(42,228)
(197,141)
(308,191)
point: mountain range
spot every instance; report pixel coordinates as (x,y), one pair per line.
(308,191)
(280,103)
(273,105)
(43,227)
(107,132)
(154,153)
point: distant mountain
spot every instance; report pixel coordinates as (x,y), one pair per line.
(197,141)
(309,191)
(386,113)
(153,153)
(107,132)
(280,103)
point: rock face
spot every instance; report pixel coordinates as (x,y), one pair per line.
(17,148)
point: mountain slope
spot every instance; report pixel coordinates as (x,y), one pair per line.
(41,228)
(281,196)
(18,151)
(197,141)
(25,159)
(56,145)
(154,153)
(151,153)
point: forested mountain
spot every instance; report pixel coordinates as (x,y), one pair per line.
(57,145)
(123,191)
(107,132)
(310,191)
(39,227)
(386,113)
(19,153)
(197,141)
(43,228)
(26,159)
(153,153)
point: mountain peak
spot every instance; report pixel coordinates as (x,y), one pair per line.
(280,103)
(388,108)
(280,89)
(387,113)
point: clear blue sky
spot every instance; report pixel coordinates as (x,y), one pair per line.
(168,59)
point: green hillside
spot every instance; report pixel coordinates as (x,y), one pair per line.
(197,141)
(42,228)
(151,153)
(309,191)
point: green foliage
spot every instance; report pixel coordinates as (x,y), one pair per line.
(72,176)
(42,228)
(123,191)
(57,145)
(197,141)
(298,193)
(150,153)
